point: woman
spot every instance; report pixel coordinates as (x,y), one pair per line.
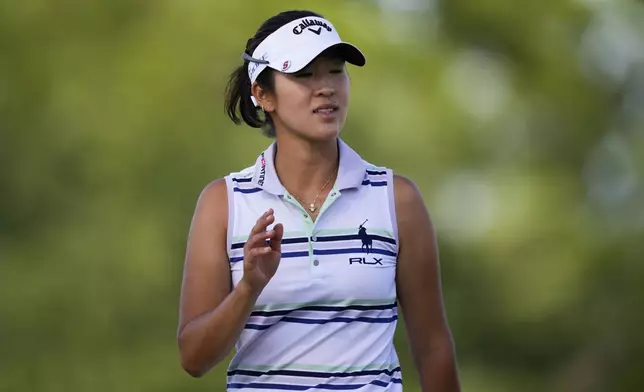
(301,260)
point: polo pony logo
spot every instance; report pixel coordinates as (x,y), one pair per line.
(365,238)
(308,23)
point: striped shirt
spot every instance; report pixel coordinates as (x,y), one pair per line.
(326,320)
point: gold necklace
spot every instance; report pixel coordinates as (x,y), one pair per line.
(312,205)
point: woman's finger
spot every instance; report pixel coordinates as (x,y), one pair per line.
(262,222)
(259,239)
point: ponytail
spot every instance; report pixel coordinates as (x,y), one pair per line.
(238,105)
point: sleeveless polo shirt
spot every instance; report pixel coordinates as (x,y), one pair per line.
(326,320)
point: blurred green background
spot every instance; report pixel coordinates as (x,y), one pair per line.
(521,122)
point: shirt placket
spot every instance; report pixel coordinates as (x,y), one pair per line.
(311,226)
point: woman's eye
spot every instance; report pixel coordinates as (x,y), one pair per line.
(337,71)
(303,75)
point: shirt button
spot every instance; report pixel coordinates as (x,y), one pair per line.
(316,262)
(314,238)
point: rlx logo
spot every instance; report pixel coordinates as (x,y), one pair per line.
(363,260)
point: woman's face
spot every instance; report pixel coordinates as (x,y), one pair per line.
(312,103)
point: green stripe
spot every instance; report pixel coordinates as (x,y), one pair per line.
(306,367)
(354,230)
(292,305)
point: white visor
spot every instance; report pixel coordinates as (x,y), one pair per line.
(294,45)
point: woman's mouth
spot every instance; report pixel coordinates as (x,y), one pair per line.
(326,109)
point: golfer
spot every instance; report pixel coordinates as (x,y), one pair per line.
(302,261)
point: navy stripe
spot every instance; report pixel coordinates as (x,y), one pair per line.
(369,182)
(290,387)
(284,256)
(352,250)
(298,320)
(294,240)
(365,182)
(300,373)
(322,252)
(384,384)
(247,190)
(376,173)
(257,385)
(369,320)
(330,238)
(319,308)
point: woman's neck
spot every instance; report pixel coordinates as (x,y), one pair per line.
(304,167)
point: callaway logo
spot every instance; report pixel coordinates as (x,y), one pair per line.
(299,29)
(262,171)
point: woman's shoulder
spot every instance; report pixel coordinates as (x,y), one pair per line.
(406,190)
(215,193)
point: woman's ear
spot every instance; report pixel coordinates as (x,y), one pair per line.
(263,98)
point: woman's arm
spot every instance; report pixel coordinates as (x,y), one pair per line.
(211,317)
(420,294)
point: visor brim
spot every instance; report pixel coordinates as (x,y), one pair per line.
(348,52)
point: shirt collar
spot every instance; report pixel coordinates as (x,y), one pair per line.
(351,172)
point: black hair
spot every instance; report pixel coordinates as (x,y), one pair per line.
(238,104)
